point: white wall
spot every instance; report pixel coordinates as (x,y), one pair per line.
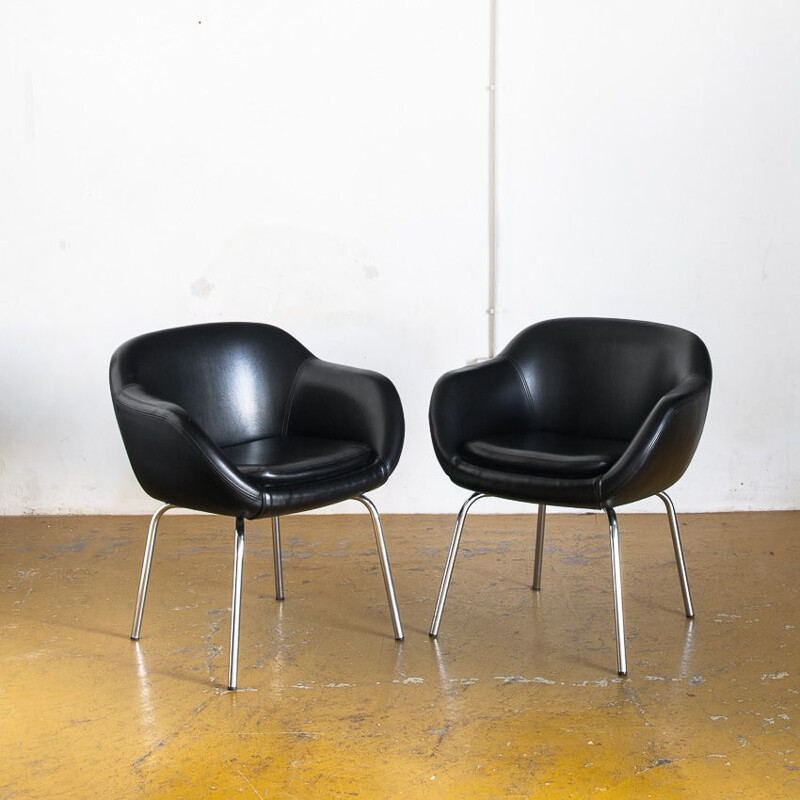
(322,166)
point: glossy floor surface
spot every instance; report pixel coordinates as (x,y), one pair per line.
(518,698)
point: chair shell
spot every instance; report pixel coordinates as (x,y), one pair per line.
(579,412)
(241,419)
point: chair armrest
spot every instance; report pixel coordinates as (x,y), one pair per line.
(332,401)
(174,459)
(663,446)
(475,402)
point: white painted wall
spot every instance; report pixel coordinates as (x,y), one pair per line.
(322,166)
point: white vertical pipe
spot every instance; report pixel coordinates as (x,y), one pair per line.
(492,177)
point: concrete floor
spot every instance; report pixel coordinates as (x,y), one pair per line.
(518,698)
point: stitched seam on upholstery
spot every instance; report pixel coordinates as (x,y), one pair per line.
(356,457)
(672,412)
(242,444)
(327,460)
(333,461)
(525,387)
(306,481)
(190,440)
(194,444)
(292,393)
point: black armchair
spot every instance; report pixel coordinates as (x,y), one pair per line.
(589,413)
(240,419)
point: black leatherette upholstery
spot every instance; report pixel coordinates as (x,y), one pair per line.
(581,412)
(241,419)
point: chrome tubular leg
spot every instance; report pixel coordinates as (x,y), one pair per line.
(537,558)
(276,557)
(236,601)
(136,628)
(676,544)
(619,622)
(451,560)
(383,555)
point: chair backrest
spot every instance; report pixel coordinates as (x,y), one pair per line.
(602,377)
(233,378)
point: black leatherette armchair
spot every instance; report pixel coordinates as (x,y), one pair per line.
(581,412)
(241,419)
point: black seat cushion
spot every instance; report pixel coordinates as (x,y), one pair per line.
(545,454)
(283,460)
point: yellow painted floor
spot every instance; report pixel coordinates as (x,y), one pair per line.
(519,697)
